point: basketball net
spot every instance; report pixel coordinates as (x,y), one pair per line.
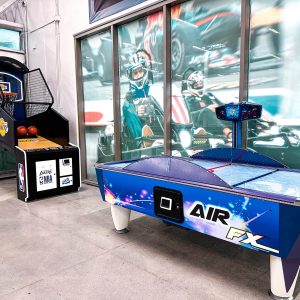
(7,101)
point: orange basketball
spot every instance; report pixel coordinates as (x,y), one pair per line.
(22,130)
(33,130)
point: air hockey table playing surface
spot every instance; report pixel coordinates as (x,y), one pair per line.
(271,180)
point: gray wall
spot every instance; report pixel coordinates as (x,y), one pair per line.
(51,26)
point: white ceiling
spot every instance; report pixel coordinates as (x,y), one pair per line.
(2,1)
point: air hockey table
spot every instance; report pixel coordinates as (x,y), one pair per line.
(234,194)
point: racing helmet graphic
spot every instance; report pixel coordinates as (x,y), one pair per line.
(194,83)
(137,71)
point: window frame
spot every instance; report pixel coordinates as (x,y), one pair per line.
(112,25)
(15,28)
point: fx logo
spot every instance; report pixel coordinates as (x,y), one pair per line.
(250,238)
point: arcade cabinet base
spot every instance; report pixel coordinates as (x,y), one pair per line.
(47,172)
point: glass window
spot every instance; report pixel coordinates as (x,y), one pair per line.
(7,161)
(274,79)
(10,39)
(141,86)
(96,53)
(205,66)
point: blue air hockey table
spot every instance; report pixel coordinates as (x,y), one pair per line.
(233,194)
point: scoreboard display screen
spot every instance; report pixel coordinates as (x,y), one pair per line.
(239,111)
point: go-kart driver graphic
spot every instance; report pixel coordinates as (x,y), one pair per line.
(137,107)
(202,105)
(143,116)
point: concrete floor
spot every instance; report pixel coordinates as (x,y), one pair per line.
(65,248)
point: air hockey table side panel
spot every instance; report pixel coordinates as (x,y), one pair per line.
(249,215)
(99,174)
(290,232)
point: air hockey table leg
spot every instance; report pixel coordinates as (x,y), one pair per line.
(121,217)
(284,274)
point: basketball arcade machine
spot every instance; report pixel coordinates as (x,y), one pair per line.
(233,194)
(47,164)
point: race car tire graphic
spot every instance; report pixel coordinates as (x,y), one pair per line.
(178,54)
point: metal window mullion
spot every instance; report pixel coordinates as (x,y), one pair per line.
(80,108)
(116,92)
(167,78)
(244,59)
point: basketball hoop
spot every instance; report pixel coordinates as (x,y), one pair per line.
(7,101)
(8,97)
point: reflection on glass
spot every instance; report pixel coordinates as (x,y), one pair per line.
(10,39)
(98,103)
(141,78)
(205,72)
(274,79)
(7,161)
